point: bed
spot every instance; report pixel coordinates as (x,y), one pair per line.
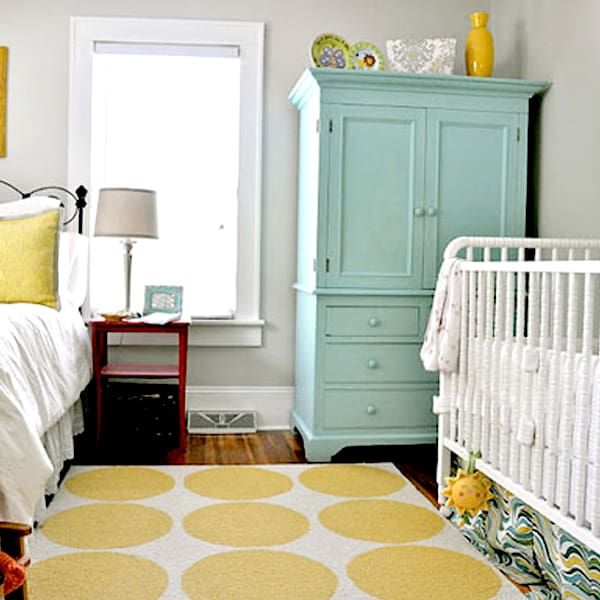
(45,357)
(515,334)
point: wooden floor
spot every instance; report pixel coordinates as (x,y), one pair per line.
(417,463)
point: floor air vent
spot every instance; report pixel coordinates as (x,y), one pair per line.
(221,421)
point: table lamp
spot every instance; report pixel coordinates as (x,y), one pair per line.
(126,213)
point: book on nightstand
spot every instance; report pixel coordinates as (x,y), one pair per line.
(157,318)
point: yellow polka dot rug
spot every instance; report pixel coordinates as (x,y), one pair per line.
(280,532)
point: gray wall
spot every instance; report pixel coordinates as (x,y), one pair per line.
(37,33)
(558,41)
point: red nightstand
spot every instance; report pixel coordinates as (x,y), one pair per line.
(99,329)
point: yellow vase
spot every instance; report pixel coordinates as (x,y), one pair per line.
(479,50)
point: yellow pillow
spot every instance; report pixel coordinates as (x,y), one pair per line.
(29,259)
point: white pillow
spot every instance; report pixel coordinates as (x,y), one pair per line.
(28,206)
(73,252)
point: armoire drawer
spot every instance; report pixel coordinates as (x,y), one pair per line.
(375,363)
(401,321)
(398,409)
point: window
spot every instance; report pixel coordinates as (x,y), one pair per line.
(175,106)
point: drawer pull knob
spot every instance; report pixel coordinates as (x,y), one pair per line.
(419,212)
(372,363)
(431,212)
(373,322)
(371,410)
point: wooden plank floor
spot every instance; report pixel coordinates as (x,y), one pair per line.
(417,463)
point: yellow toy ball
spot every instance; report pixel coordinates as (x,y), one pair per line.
(468,492)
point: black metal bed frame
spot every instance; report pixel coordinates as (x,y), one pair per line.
(78,197)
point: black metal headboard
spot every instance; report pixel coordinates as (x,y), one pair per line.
(79,197)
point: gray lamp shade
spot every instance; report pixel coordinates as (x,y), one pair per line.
(126,213)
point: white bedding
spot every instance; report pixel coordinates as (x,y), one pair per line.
(45,362)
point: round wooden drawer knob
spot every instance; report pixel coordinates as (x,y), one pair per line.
(372,363)
(371,410)
(419,212)
(431,212)
(373,322)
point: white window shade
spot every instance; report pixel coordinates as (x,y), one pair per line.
(94,38)
(202,50)
(170,122)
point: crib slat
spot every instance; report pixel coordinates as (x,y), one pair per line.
(517,356)
(541,390)
(488,329)
(478,398)
(469,402)
(567,398)
(506,398)
(583,401)
(549,484)
(527,424)
(464,366)
(594,446)
(498,299)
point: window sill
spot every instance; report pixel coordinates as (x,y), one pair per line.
(203,332)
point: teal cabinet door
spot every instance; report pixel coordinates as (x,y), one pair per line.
(375,197)
(473,185)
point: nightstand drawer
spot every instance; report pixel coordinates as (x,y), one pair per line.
(401,321)
(375,363)
(368,409)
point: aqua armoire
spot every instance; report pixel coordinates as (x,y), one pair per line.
(391,168)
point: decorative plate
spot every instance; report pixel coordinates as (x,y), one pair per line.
(366,56)
(330,50)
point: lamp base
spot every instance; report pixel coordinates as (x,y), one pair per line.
(127,260)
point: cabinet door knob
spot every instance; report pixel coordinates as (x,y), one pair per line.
(372,363)
(373,322)
(431,211)
(371,410)
(419,212)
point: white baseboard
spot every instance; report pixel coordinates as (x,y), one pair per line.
(273,405)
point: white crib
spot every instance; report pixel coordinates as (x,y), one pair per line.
(526,390)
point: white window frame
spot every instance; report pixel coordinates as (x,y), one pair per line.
(246,328)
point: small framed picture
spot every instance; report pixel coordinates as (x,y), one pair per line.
(163,298)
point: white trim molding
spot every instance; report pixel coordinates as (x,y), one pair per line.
(273,405)
(248,39)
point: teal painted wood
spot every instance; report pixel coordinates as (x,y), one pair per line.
(374,363)
(472,180)
(308,192)
(305,357)
(391,167)
(402,408)
(367,321)
(375,186)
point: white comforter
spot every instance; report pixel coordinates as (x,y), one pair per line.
(45,362)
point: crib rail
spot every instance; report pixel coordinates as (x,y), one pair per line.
(526,392)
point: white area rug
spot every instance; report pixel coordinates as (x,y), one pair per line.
(289,532)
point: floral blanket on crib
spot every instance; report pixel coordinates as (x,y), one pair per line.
(533,551)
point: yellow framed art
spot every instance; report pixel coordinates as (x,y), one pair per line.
(3,84)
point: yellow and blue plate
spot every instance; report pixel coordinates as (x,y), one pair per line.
(330,50)
(366,57)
